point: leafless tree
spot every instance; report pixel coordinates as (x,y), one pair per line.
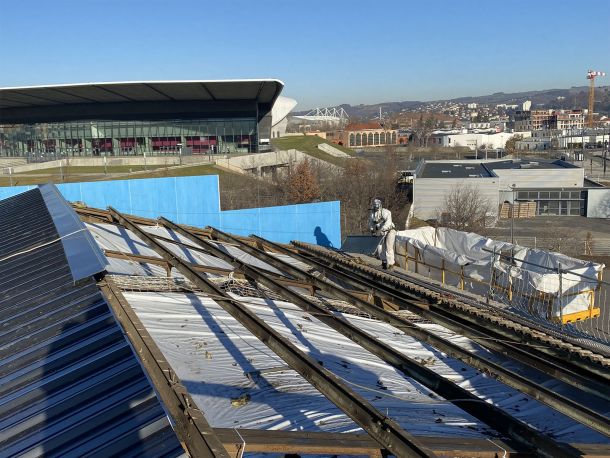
(465,209)
(302,185)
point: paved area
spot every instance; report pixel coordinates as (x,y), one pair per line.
(549,226)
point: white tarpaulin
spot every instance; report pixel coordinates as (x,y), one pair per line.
(467,260)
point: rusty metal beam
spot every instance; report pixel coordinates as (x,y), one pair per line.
(142,259)
(564,405)
(479,328)
(190,425)
(528,438)
(384,430)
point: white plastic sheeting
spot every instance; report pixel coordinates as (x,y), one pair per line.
(219,361)
(115,238)
(462,257)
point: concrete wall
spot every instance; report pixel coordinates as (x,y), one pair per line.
(332,150)
(541,178)
(598,203)
(429,193)
(196,201)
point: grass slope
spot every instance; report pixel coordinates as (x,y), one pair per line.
(309,145)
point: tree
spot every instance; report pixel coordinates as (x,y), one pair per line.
(302,183)
(511,144)
(464,208)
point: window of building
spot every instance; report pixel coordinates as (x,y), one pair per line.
(358,140)
(352,140)
(371,138)
(365,139)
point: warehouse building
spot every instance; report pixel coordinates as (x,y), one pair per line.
(136,118)
(557,187)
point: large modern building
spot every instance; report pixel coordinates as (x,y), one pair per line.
(556,187)
(135,118)
(528,120)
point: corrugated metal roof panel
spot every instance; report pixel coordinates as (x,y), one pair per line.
(70,383)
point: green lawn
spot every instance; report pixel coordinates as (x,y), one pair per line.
(309,145)
(93,169)
(77,174)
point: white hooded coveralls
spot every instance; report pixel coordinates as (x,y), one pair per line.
(380,223)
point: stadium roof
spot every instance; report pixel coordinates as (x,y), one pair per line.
(97,100)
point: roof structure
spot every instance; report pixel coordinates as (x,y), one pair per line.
(363,126)
(235,302)
(529,164)
(70,384)
(294,349)
(485,169)
(454,170)
(136,100)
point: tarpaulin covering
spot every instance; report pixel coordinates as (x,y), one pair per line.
(467,260)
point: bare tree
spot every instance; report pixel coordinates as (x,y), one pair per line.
(464,208)
(302,183)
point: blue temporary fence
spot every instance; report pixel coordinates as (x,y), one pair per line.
(196,201)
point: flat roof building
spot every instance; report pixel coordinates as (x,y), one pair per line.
(134,118)
(557,187)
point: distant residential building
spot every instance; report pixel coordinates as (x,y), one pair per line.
(527,120)
(367,134)
(478,125)
(564,139)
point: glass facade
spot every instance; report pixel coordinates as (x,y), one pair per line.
(129,138)
(556,202)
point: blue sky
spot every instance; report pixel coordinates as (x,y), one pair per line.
(327,52)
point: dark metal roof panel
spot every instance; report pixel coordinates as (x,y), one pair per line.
(153,91)
(70,383)
(454,170)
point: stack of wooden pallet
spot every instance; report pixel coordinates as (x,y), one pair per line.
(521,209)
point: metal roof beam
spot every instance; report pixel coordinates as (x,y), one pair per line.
(381,428)
(191,427)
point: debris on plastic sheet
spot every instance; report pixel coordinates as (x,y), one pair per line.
(426,361)
(241,400)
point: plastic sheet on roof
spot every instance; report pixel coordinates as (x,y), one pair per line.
(240,383)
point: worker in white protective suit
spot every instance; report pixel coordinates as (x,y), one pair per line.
(380,224)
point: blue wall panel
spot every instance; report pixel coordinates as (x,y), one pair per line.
(318,223)
(196,201)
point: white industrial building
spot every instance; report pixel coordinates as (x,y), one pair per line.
(473,140)
(557,187)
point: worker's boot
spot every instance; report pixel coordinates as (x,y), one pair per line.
(384,265)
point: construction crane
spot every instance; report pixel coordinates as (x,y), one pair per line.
(591,75)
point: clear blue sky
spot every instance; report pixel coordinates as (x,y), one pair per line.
(327,52)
